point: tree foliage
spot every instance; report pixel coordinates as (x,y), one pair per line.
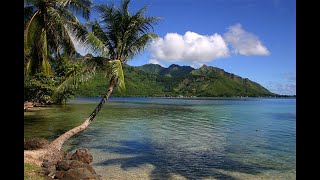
(122,34)
(49,50)
(48,24)
(50,68)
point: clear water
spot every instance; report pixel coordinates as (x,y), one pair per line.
(159,138)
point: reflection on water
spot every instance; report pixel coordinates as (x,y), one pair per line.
(159,138)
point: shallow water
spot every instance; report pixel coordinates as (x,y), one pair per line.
(161,138)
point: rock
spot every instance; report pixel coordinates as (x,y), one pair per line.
(60,174)
(47,164)
(68,155)
(35,143)
(82,156)
(74,164)
(44,171)
(51,174)
(65,165)
(50,166)
(79,173)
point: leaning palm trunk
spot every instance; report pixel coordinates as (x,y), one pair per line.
(53,151)
(57,143)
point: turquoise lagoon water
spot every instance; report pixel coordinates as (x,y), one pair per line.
(167,138)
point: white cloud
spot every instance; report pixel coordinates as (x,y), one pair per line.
(196,49)
(243,42)
(154,61)
(190,47)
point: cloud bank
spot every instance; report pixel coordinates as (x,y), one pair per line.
(154,61)
(196,49)
(243,42)
(189,47)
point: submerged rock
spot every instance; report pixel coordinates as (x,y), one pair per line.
(79,173)
(82,156)
(65,165)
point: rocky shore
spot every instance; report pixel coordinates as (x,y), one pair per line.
(73,166)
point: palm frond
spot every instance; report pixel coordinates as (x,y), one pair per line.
(93,63)
(68,45)
(28,13)
(85,38)
(98,32)
(54,17)
(28,67)
(138,45)
(67,15)
(81,7)
(75,75)
(124,7)
(96,45)
(45,61)
(31,29)
(115,70)
(54,29)
(107,14)
(78,30)
(125,33)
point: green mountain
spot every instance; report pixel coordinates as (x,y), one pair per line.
(154,80)
(151,68)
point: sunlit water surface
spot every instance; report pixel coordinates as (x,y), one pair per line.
(160,138)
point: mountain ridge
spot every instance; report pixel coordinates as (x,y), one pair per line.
(177,81)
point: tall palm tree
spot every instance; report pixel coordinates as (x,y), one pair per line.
(48,24)
(122,35)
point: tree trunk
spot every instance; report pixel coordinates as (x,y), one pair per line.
(53,152)
(57,143)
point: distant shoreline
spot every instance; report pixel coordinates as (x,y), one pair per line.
(195,98)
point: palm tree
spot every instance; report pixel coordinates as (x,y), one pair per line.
(122,35)
(48,24)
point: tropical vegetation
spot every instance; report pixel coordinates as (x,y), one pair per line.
(116,38)
(152,80)
(49,26)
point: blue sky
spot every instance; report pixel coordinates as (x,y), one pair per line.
(254,39)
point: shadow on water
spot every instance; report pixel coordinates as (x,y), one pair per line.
(170,160)
(283,116)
